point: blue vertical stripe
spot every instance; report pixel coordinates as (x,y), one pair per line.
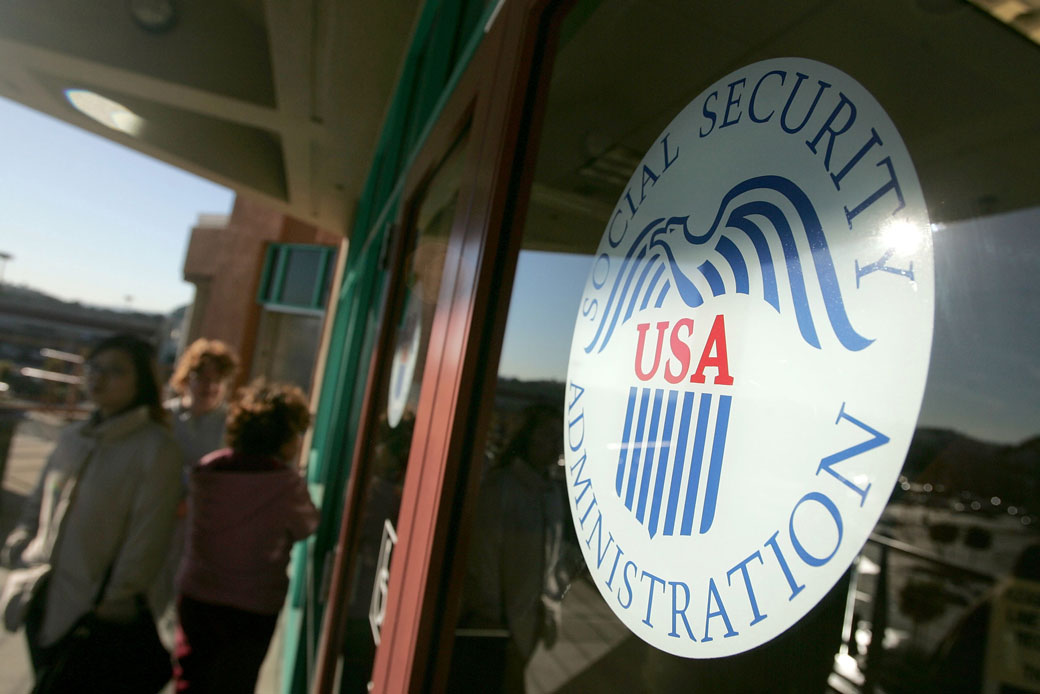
(639,284)
(648,433)
(732,254)
(625,438)
(663,294)
(637,449)
(648,458)
(619,307)
(714,278)
(662,463)
(718,447)
(695,464)
(648,294)
(765,258)
(680,460)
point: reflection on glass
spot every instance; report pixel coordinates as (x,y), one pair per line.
(383,467)
(525,555)
(286,347)
(300,276)
(955,560)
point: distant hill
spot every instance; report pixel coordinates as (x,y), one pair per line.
(22,307)
(959,464)
(513,393)
(28,296)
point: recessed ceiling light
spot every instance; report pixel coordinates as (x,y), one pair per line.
(110,114)
(154,15)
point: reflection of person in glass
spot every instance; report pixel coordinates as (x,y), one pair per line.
(960,660)
(381,503)
(513,576)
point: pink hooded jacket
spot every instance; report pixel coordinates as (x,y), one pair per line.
(244,515)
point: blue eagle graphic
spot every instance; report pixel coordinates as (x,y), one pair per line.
(651,255)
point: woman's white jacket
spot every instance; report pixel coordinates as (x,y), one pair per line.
(119,518)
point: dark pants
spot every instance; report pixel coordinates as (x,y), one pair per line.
(219,649)
(40,656)
(490,665)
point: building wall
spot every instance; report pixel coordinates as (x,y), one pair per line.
(225,263)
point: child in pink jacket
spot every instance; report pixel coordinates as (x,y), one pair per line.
(248,505)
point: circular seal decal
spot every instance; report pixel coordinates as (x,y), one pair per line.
(748,358)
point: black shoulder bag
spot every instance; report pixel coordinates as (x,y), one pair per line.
(102,656)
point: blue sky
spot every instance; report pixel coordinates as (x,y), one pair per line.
(537,342)
(87,219)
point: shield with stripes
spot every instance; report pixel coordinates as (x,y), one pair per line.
(669,438)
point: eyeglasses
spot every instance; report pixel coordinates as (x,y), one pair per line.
(199,377)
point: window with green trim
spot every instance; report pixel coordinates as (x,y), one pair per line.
(297,276)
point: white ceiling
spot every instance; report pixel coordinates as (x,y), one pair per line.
(281,100)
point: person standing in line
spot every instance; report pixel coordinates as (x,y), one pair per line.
(248,505)
(521,563)
(96,527)
(202,379)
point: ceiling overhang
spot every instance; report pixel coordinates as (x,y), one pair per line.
(279,101)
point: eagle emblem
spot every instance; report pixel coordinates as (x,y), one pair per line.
(650,271)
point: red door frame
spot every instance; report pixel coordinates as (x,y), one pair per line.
(457,117)
(498,102)
(437,502)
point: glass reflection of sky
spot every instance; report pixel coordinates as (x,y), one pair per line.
(984,378)
(545,299)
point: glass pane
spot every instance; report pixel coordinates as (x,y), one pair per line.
(382,474)
(301,274)
(330,273)
(286,347)
(942,598)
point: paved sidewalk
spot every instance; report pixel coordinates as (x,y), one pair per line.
(33,440)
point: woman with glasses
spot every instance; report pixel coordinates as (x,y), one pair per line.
(96,527)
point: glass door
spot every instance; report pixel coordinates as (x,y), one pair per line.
(383,460)
(942,595)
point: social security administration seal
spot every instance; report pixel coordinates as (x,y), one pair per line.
(748,358)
